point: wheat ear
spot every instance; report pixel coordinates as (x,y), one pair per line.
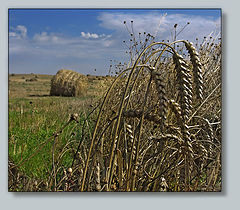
(184,85)
(185,94)
(197,69)
(160,86)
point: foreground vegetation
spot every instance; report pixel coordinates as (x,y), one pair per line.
(157,128)
(34,118)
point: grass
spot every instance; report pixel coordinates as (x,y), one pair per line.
(34,117)
(29,128)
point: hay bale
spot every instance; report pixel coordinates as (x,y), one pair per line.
(68,83)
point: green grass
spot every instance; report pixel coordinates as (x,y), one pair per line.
(32,124)
(34,119)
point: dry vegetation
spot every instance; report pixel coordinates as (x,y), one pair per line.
(20,85)
(39,85)
(68,83)
(158,127)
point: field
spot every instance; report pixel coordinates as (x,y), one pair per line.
(34,116)
(156,126)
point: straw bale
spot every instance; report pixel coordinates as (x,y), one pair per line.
(68,83)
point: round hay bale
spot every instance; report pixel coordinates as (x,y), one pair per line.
(68,83)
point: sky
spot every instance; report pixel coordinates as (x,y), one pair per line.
(43,41)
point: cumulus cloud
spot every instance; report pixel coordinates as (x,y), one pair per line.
(88,35)
(22,30)
(93,35)
(18,32)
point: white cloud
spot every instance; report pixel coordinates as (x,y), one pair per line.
(93,35)
(59,46)
(159,24)
(12,34)
(88,35)
(45,37)
(20,32)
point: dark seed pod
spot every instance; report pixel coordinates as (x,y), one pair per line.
(160,86)
(148,116)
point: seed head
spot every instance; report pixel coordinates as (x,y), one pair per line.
(74,117)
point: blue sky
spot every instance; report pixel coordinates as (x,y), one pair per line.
(44,41)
